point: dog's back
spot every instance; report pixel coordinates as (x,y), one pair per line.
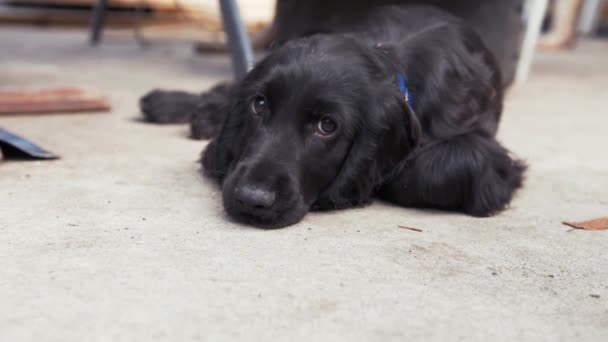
(444,60)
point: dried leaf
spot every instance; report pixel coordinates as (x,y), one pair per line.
(411,228)
(597,224)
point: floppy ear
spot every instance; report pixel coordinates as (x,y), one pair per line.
(400,134)
(227,146)
(387,134)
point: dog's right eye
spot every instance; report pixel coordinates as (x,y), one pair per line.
(326,126)
(259,105)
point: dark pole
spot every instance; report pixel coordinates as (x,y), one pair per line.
(98,20)
(238,39)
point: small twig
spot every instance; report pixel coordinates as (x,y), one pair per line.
(411,228)
(571,225)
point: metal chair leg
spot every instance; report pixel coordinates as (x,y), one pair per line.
(538,9)
(98,21)
(238,40)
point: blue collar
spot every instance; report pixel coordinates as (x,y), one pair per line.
(407,95)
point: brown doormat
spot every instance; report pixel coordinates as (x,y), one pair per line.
(51,100)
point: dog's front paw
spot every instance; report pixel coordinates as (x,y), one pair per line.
(165,107)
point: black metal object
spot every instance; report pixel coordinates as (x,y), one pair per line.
(238,39)
(241,49)
(16,147)
(98,20)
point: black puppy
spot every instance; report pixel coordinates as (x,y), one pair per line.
(403,105)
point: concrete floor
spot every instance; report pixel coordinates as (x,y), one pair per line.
(122,240)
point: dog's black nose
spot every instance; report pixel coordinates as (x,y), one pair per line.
(255,197)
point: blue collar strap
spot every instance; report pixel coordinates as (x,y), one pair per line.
(407,95)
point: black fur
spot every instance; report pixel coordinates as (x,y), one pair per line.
(498,22)
(441,154)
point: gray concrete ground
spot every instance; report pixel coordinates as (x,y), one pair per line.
(122,240)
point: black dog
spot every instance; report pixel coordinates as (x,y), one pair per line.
(403,105)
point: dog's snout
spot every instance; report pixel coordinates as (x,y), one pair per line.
(255,197)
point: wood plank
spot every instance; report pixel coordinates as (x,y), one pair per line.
(51,100)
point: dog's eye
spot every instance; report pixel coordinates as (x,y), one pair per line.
(259,105)
(326,126)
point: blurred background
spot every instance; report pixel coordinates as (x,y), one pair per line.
(512,28)
(121,239)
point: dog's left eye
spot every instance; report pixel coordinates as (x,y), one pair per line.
(259,105)
(326,126)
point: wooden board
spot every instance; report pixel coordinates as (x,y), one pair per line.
(162,5)
(51,100)
(251,10)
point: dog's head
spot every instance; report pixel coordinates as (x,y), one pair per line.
(319,123)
